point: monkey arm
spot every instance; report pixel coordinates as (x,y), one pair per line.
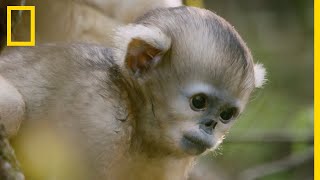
(82,20)
(12,107)
(67,21)
(98,27)
(127,11)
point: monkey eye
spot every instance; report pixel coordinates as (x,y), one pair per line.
(227,114)
(199,102)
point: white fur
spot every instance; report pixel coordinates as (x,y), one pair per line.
(200,88)
(259,75)
(151,35)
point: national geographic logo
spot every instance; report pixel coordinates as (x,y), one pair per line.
(32,26)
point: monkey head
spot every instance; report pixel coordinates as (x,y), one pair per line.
(195,76)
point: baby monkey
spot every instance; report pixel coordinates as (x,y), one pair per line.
(171,87)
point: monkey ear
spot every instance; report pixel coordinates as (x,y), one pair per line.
(259,75)
(139,48)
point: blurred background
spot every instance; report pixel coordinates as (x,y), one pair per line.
(273,140)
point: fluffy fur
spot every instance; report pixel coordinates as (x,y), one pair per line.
(12,109)
(259,75)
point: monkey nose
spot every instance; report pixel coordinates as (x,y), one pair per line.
(207,125)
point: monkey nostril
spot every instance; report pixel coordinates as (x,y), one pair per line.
(214,125)
(209,123)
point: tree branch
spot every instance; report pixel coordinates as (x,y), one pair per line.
(9,166)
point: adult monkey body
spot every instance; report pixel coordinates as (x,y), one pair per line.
(168,91)
(83,20)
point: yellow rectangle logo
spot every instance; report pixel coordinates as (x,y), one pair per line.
(32,24)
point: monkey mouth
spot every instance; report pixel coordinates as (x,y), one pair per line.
(195,145)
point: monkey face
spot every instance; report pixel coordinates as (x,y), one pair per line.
(194,118)
(211,113)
